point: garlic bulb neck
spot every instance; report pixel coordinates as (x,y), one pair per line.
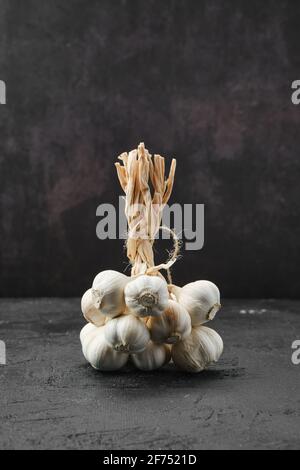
(213,310)
(97,297)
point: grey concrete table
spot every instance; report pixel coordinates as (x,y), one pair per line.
(50,397)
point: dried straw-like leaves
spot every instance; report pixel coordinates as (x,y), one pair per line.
(144,205)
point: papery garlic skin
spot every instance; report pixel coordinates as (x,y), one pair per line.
(127,333)
(90,312)
(98,352)
(86,332)
(153,357)
(108,291)
(201,299)
(173,325)
(174,291)
(146,296)
(203,347)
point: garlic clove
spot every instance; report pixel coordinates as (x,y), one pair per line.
(203,347)
(87,335)
(201,299)
(146,296)
(90,312)
(108,292)
(127,333)
(98,352)
(173,325)
(153,357)
(87,331)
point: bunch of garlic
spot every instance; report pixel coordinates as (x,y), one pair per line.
(149,321)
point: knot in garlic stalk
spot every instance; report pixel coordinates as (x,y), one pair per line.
(146,296)
(108,292)
(201,299)
(173,325)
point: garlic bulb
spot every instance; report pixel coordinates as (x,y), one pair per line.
(98,352)
(127,333)
(90,312)
(173,325)
(200,349)
(147,296)
(108,291)
(153,357)
(201,299)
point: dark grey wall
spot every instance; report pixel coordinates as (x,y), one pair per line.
(207,82)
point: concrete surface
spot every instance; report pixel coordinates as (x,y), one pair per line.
(50,398)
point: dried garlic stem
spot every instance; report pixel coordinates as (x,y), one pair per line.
(144,210)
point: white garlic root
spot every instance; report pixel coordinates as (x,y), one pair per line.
(147,296)
(108,291)
(201,299)
(127,333)
(203,347)
(98,352)
(173,325)
(153,357)
(90,312)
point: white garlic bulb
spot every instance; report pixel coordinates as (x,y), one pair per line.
(200,349)
(98,352)
(153,357)
(127,333)
(108,291)
(173,325)
(147,296)
(201,299)
(89,310)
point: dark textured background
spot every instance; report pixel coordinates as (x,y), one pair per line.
(207,82)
